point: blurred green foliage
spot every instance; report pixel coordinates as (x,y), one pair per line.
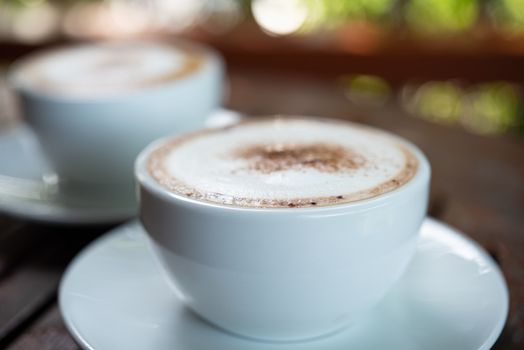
(422,16)
(438,101)
(490,108)
(332,13)
(494,108)
(509,13)
(366,89)
(441,15)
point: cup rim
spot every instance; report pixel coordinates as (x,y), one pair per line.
(211,58)
(144,180)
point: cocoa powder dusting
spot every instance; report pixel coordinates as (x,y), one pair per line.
(272,158)
(280,157)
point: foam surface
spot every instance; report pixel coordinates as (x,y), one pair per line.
(111,67)
(284,163)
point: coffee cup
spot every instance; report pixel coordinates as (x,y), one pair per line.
(283,229)
(94,106)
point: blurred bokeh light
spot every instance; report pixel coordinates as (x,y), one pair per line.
(276,17)
(509,14)
(440,101)
(366,89)
(487,108)
(438,16)
(280,17)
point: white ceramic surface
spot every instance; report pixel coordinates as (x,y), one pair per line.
(27,190)
(452,296)
(27,187)
(92,142)
(283,273)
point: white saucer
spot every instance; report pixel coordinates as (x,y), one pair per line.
(453,296)
(28,185)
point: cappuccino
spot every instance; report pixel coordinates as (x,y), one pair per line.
(283,163)
(106,68)
(94,106)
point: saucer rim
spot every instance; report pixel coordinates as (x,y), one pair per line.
(48,212)
(51,211)
(501,322)
(62,215)
(487,344)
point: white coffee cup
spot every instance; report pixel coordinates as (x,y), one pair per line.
(283,274)
(92,140)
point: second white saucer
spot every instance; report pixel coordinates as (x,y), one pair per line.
(27,190)
(452,296)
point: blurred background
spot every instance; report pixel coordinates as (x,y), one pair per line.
(459,63)
(445,74)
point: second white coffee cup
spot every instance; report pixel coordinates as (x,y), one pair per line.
(92,137)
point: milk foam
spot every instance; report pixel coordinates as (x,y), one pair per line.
(284,163)
(104,68)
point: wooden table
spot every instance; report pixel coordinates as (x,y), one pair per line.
(477,186)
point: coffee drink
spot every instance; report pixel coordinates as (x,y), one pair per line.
(313,263)
(94,106)
(282,163)
(107,68)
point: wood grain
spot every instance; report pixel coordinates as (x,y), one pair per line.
(34,258)
(48,333)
